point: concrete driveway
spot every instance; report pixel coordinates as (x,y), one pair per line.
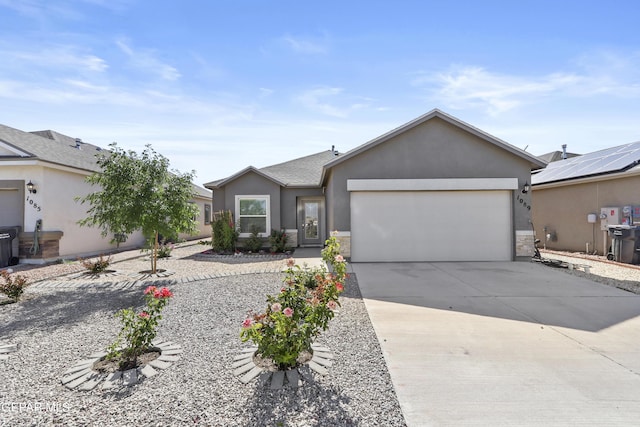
(505,344)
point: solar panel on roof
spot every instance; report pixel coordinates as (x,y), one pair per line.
(610,160)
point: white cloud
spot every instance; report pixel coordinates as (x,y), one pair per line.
(305,45)
(495,93)
(266,92)
(316,100)
(146,60)
(64,57)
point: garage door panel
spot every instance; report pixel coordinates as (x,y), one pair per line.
(431,226)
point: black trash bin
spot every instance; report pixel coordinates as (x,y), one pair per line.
(7,234)
(625,244)
(5,249)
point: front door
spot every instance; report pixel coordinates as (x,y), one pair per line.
(311,221)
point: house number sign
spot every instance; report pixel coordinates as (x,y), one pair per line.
(523,202)
(33,204)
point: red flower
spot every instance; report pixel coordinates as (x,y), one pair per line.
(339,287)
(150,290)
(247,323)
(162,293)
(144,315)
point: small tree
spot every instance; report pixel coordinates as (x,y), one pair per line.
(138,192)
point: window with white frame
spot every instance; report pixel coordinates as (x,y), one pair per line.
(207,214)
(253,211)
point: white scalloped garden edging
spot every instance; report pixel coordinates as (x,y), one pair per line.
(82,377)
(5,349)
(247,370)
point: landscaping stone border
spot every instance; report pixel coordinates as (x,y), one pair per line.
(83,378)
(5,349)
(93,276)
(244,367)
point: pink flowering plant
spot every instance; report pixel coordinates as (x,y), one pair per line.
(138,329)
(300,312)
(13,285)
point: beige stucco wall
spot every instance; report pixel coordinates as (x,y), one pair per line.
(57,193)
(562,210)
(54,203)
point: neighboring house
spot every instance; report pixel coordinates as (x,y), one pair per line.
(569,196)
(57,166)
(434,189)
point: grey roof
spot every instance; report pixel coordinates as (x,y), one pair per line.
(598,163)
(54,147)
(533,160)
(554,156)
(303,172)
(309,171)
(50,146)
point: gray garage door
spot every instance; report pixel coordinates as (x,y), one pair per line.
(10,207)
(431,226)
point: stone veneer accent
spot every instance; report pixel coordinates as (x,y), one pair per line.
(524,243)
(49,242)
(344,238)
(292,237)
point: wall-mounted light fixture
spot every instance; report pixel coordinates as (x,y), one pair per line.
(31,187)
(525,188)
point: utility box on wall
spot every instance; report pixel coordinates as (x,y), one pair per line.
(609,216)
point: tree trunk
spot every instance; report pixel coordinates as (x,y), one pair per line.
(154,262)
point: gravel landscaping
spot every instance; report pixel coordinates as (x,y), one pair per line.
(55,328)
(617,275)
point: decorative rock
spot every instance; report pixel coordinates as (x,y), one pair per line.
(75,383)
(8,348)
(4,357)
(159,364)
(98,355)
(243,356)
(242,362)
(166,344)
(82,377)
(164,358)
(324,362)
(293,377)
(112,380)
(277,380)
(247,370)
(148,371)
(323,355)
(253,373)
(92,382)
(318,368)
(78,368)
(172,352)
(244,368)
(76,375)
(130,377)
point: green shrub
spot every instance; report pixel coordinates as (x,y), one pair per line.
(13,287)
(97,266)
(225,235)
(278,241)
(254,242)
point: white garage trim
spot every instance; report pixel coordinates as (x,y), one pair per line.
(418,226)
(450,184)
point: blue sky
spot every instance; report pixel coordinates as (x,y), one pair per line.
(217,85)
